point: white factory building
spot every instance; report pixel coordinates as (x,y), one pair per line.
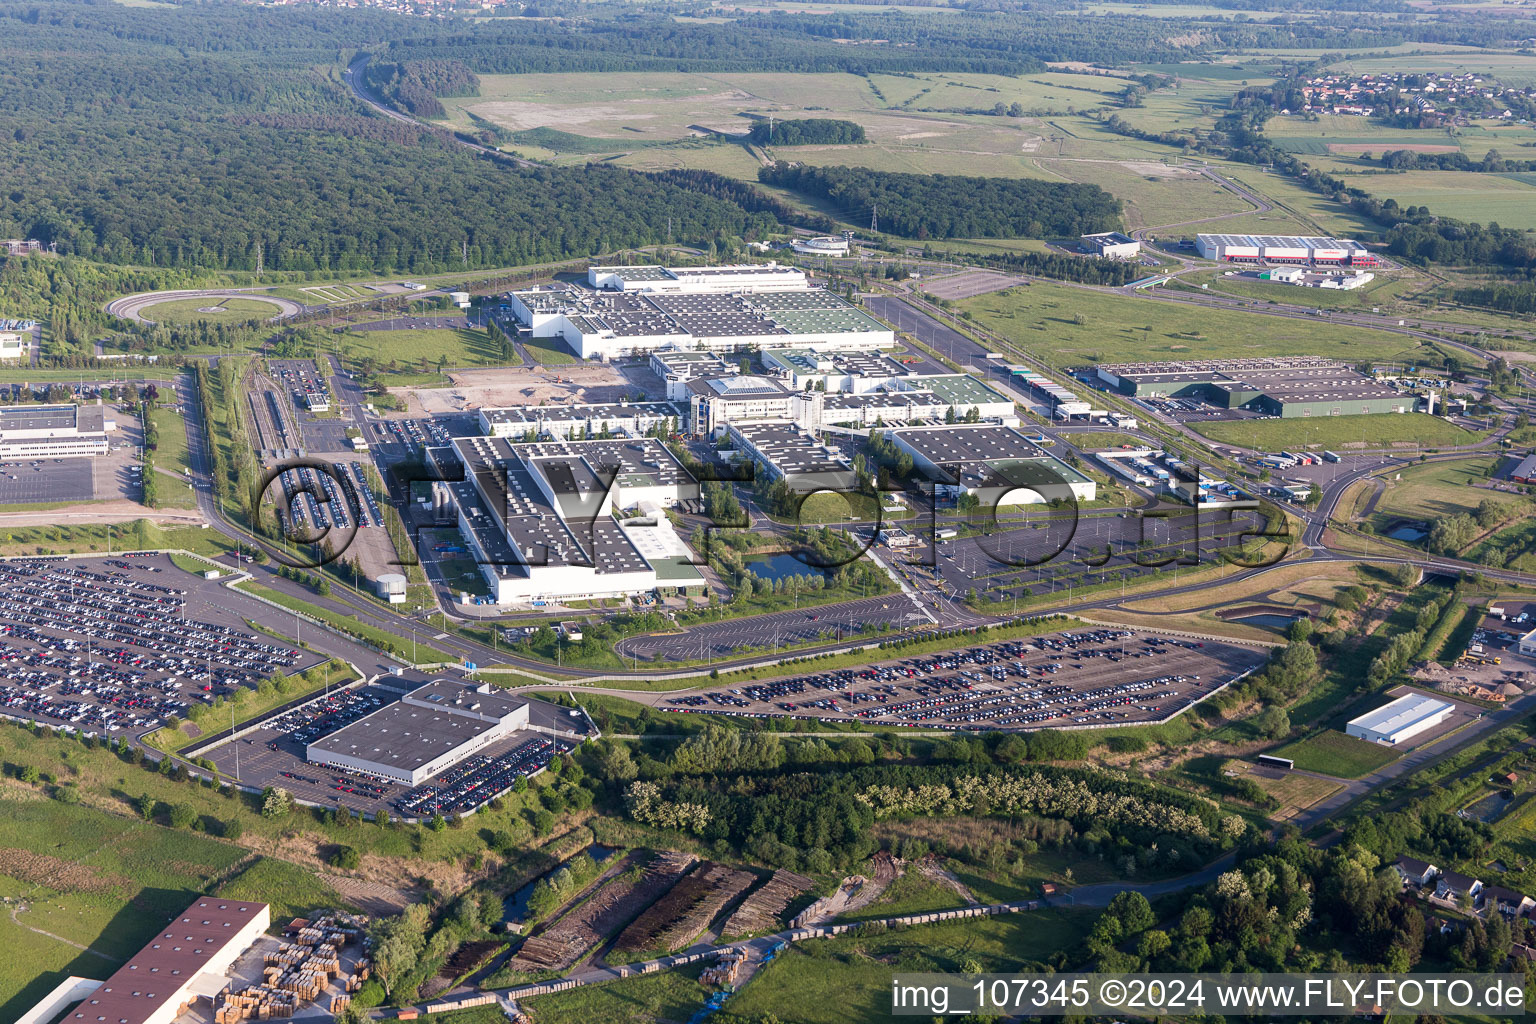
(1404,718)
(539,518)
(836,246)
(1284,249)
(424,733)
(632,311)
(577,421)
(1110,245)
(53,431)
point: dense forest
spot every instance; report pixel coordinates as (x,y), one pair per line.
(950,206)
(806,131)
(414,86)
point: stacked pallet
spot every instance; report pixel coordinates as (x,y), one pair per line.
(725,969)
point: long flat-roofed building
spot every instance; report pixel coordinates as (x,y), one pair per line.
(539,517)
(566,421)
(1287,387)
(992,463)
(1110,245)
(53,431)
(187,957)
(424,733)
(628,311)
(1404,718)
(1293,249)
(788,451)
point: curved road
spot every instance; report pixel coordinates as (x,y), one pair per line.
(131,307)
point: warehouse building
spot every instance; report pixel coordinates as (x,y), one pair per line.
(539,518)
(629,311)
(54,431)
(424,733)
(578,421)
(1064,404)
(788,451)
(1289,388)
(1110,245)
(1310,251)
(991,463)
(1403,719)
(190,956)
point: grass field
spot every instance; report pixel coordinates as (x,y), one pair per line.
(1465,195)
(1070,326)
(664,996)
(410,349)
(549,351)
(1383,293)
(185,311)
(847,980)
(1295,792)
(172,456)
(1103,439)
(425,653)
(912,893)
(93,879)
(1333,753)
(1438,489)
(293,891)
(1335,432)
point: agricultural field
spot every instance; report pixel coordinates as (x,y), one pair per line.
(1331,752)
(1071,326)
(1336,432)
(185,311)
(1509,68)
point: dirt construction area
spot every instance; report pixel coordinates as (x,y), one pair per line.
(579,384)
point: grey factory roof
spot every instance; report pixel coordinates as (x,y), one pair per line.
(403,736)
(746,387)
(789,448)
(969,443)
(46,417)
(714,315)
(637,460)
(534,414)
(544,534)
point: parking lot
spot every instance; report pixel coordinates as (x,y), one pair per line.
(122,643)
(1079,678)
(47,480)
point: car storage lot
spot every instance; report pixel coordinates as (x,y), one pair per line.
(1092,676)
(122,643)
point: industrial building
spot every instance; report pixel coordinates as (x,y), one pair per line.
(1525,470)
(1404,718)
(1339,252)
(717,402)
(15,339)
(677,367)
(1064,404)
(425,732)
(186,959)
(539,518)
(1336,280)
(788,451)
(1289,388)
(628,311)
(577,421)
(1110,245)
(53,431)
(851,372)
(836,246)
(991,463)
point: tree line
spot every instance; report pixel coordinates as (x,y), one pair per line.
(806,131)
(952,206)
